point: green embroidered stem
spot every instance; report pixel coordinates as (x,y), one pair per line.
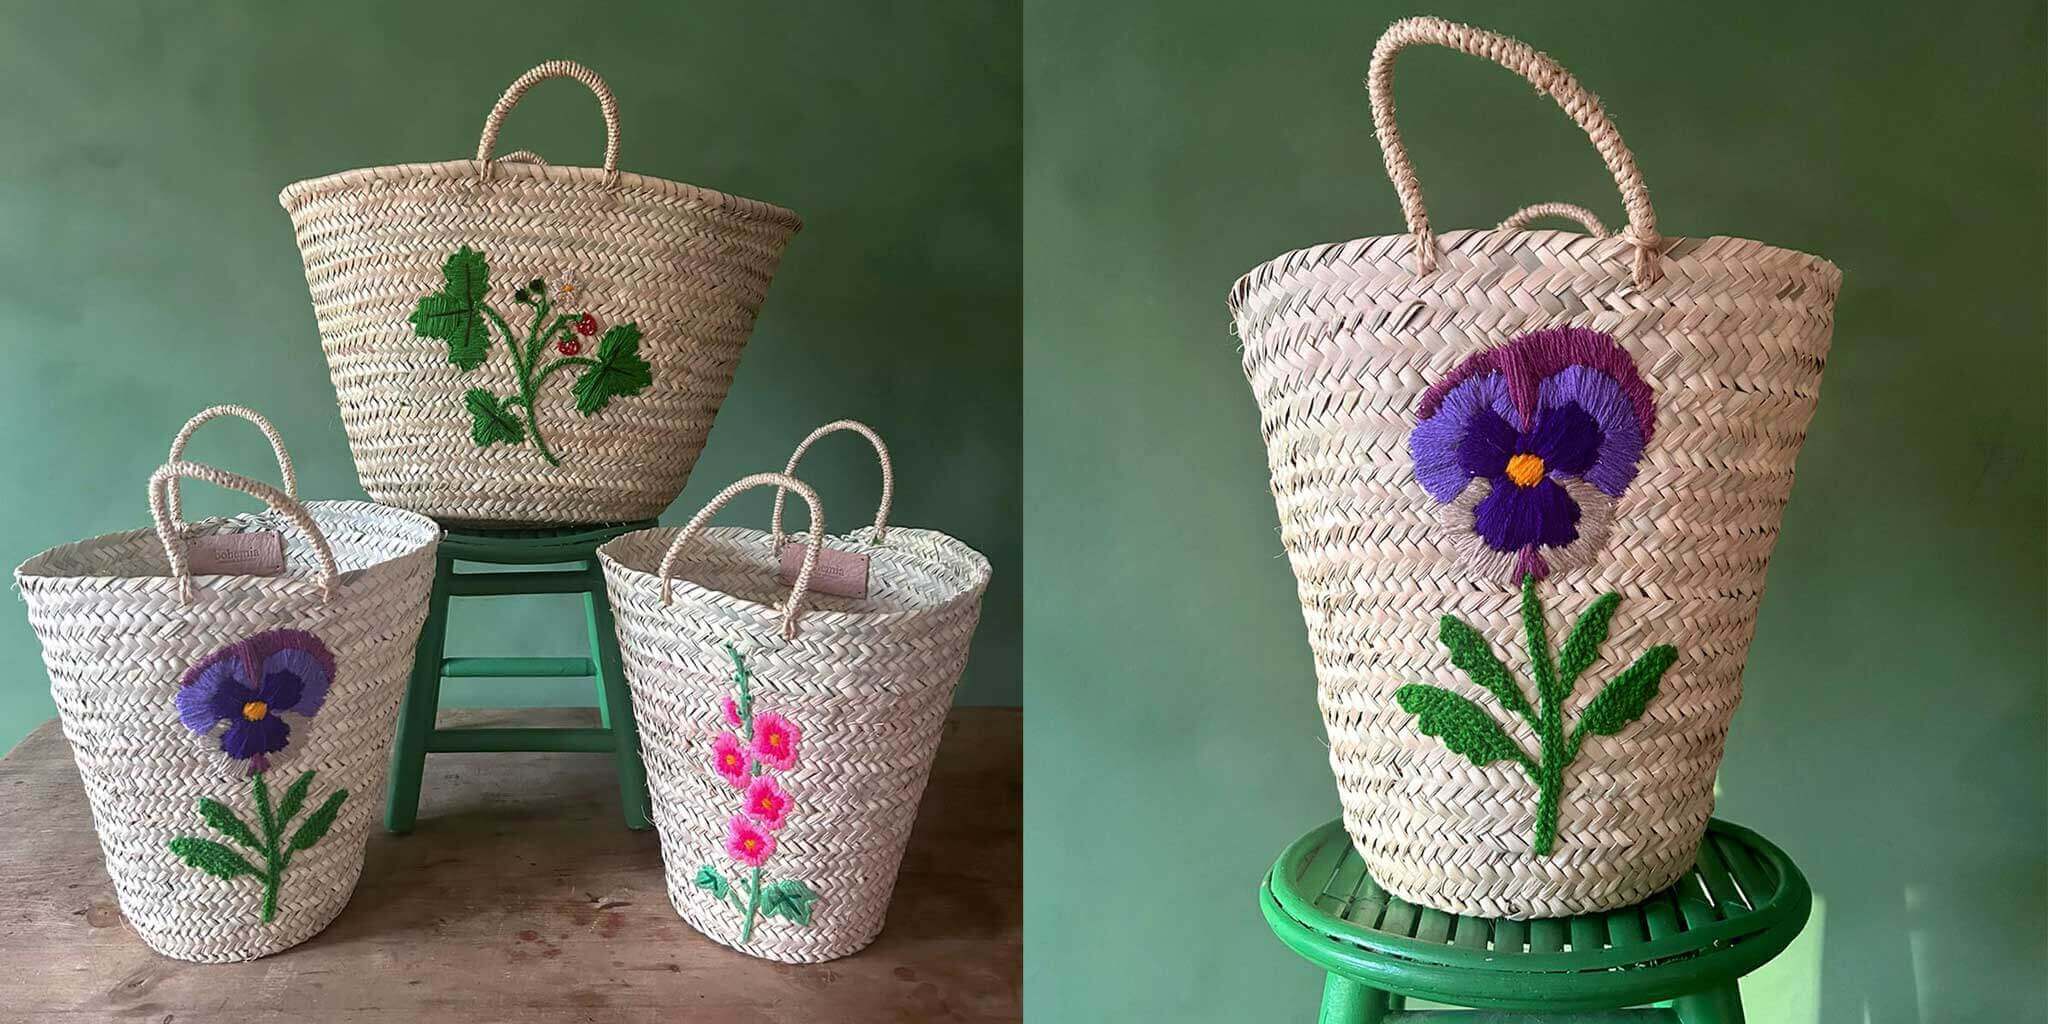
(745,704)
(1549,777)
(550,369)
(273,871)
(753,905)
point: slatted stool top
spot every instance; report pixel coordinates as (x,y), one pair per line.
(1741,905)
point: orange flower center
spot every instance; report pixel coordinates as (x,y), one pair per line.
(1525,470)
(767,803)
(255,710)
(750,845)
(774,739)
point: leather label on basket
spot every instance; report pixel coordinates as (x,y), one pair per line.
(257,553)
(839,573)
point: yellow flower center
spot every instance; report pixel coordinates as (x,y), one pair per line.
(255,710)
(1525,470)
(750,845)
(774,739)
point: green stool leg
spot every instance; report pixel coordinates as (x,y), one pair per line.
(1722,1005)
(416,713)
(1349,1002)
(616,705)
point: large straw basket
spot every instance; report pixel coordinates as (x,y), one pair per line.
(471,395)
(1473,438)
(857,687)
(209,861)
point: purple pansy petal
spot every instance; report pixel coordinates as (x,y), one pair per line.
(1435,441)
(294,680)
(216,693)
(1566,438)
(1533,357)
(1511,518)
(1488,443)
(1621,439)
(245,739)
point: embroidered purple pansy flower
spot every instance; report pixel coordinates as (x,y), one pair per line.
(1527,444)
(247,685)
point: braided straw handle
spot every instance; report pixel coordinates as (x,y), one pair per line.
(1520,219)
(1547,76)
(522,156)
(160,483)
(881,452)
(748,483)
(608,103)
(284,459)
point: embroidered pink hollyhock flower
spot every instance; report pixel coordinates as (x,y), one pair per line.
(767,803)
(775,740)
(747,842)
(729,758)
(732,713)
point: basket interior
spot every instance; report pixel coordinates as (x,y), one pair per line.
(361,534)
(910,571)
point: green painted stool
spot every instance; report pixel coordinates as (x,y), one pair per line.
(1684,948)
(617,735)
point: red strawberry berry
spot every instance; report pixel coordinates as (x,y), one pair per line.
(587,325)
(569,346)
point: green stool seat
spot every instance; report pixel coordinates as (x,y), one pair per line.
(1741,905)
(575,546)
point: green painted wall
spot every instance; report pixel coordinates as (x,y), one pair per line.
(1891,737)
(148,270)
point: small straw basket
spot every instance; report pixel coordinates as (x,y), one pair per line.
(230,844)
(516,342)
(1528,482)
(787,748)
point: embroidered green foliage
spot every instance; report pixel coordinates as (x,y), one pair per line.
(221,861)
(619,371)
(491,420)
(711,881)
(461,315)
(788,898)
(455,314)
(1470,732)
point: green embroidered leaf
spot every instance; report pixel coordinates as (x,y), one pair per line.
(1463,727)
(211,857)
(321,820)
(619,371)
(492,420)
(789,898)
(1623,700)
(709,878)
(1582,647)
(1547,688)
(455,313)
(294,798)
(1474,656)
(225,822)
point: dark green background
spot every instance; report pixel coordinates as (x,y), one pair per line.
(1891,734)
(148,270)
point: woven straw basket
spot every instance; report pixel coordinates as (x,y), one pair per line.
(422,278)
(1453,467)
(856,689)
(123,624)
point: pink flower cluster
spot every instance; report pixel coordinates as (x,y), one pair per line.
(750,835)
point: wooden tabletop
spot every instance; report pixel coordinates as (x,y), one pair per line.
(523,898)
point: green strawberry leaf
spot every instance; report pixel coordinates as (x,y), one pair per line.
(224,821)
(294,798)
(789,898)
(455,314)
(708,878)
(319,822)
(211,857)
(492,420)
(1623,700)
(1463,727)
(1474,656)
(619,371)
(1582,647)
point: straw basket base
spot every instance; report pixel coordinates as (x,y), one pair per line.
(236,944)
(773,939)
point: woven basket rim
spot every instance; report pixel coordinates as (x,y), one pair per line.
(298,193)
(32,567)
(944,547)
(1244,283)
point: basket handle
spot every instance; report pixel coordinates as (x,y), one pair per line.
(1520,219)
(522,156)
(747,483)
(160,483)
(881,452)
(1547,76)
(606,102)
(284,458)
